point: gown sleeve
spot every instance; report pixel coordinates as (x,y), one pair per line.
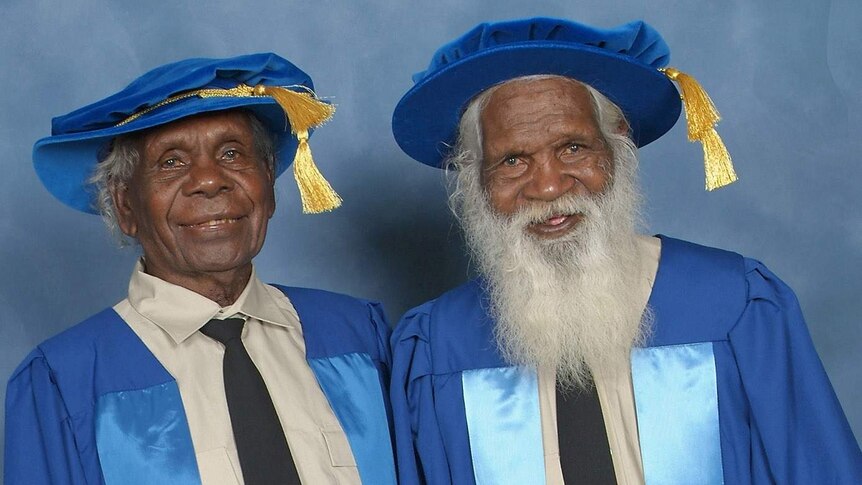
(419,446)
(382,333)
(795,416)
(40,447)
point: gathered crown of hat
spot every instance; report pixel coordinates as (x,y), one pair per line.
(628,64)
(276,91)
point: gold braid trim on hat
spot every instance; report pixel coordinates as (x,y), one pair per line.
(304,112)
(701,117)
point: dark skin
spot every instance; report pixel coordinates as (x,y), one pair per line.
(198,202)
(541,141)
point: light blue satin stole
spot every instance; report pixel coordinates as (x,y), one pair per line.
(143,437)
(351,384)
(676,401)
(504,424)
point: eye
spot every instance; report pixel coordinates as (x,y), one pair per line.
(508,166)
(573,147)
(510,161)
(170,163)
(231,154)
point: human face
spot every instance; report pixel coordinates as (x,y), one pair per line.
(541,141)
(199,198)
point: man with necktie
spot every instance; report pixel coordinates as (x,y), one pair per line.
(203,374)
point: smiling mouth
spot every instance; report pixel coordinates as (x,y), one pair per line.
(556,225)
(212,223)
(556,220)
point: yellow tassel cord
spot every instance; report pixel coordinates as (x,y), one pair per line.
(701,117)
(304,112)
(317,195)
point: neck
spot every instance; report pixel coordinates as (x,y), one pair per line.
(222,287)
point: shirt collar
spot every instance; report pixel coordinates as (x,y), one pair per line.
(181,312)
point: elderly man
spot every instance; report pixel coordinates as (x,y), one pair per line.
(585,352)
(204,374)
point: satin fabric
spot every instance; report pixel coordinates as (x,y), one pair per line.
(504,424)
(351,384)
(676,399)
(100,371)
(780,421)
(143,437)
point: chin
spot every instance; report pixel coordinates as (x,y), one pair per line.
(220,263)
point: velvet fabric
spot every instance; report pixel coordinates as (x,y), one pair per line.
(621,62)
(90,399)
(779,420)
(65,160)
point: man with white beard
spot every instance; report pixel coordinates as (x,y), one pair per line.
(538,265)
(587,353)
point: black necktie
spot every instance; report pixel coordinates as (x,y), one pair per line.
(585,455)
(263,452)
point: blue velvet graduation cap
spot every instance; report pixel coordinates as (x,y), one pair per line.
(627,64)
(279,93)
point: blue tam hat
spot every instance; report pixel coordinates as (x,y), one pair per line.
(626,64)
(277,92)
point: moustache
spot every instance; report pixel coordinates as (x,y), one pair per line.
(537,212)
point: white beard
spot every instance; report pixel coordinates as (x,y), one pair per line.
(570,304)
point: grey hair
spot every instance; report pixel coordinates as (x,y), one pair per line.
(467,153)
(118,160)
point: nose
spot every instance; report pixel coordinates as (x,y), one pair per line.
(549,179)
(207,178)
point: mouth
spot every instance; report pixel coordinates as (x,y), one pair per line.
(556,225)
(556,220)
(213,223)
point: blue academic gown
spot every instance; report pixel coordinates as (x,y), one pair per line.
(729,389)
(93,405)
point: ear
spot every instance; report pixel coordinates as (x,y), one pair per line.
(123,210)
(270,174)
(270,171)
(623,127)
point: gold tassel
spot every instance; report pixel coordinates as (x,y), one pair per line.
(304,112)
(717,164)
(701,116)
(316,193)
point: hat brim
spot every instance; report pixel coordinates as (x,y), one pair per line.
(64,163)
(425,122)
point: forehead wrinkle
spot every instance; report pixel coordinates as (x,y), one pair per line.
(186,132)
(516,118)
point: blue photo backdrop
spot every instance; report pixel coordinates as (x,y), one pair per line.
(786,76)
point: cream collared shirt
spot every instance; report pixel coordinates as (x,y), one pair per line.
(167,318)
(616,395)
